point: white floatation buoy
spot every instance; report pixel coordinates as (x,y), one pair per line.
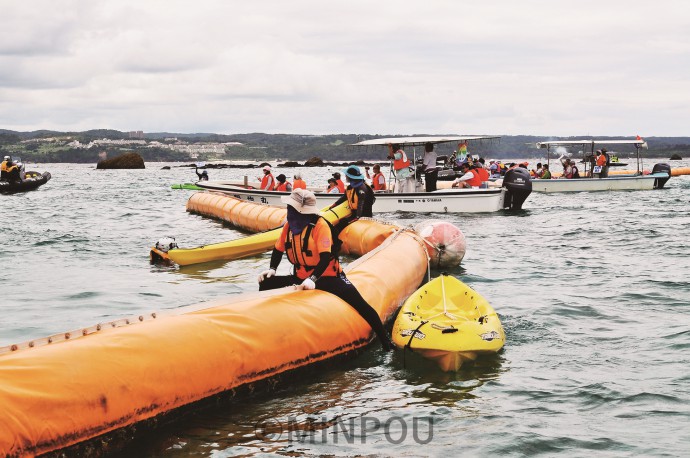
(446,243)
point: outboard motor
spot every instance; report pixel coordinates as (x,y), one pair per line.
(518,184)
(661,168)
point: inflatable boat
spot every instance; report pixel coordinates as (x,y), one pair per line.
(447,321)
(31,181)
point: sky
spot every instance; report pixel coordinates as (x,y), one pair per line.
(532,67)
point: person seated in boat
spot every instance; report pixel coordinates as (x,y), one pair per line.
(339,182)
(267,181)
(536,173)
(494,169)
(378,181)
(571,170)
(203,176)
(307,240)
(11,172)
(3,167)
(283,185)
(332,186)
(469,178)
(298,182)
(359,195)
(546,174)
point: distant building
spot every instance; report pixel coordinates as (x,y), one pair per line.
(136,134)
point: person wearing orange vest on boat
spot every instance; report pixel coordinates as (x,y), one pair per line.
(332,186)
(359,196)
(339,182)
(298,182)
(267,181)
(283,185)
(307,240)
(468,179)
(404,181)
(601,162)
(483,174)
(4,166)
(378,181)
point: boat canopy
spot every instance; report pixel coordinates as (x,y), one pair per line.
(417,141)
(589,142)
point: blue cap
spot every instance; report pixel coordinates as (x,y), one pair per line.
(354,172)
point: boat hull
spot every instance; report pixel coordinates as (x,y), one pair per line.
(32,181)
(442,201)
(616,183)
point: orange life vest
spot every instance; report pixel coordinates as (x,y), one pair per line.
(375,182)
(401,163)
(283,187)
(476,179)
(267,182)
(341,186)
(601,160)
(303,250)
(299,184)
(483,174)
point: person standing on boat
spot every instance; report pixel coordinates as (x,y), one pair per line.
(378,181)
(267,181)
(404,181)
(298,182)
(283,185)
(307,240)
(429,167)
(606,162)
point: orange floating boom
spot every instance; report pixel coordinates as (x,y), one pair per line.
(56,395)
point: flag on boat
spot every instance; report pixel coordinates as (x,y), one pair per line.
(644,143)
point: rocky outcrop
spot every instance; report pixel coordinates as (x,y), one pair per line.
(289,164)
(675,157)
(125,161)
(314,162)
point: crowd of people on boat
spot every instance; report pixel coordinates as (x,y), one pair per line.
(474,172)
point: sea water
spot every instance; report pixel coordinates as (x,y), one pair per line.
(593,290)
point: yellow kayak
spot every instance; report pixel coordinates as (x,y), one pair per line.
(449,322)
(238,248)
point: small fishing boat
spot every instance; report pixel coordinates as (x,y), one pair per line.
(447,321)
(31,181)
(514,190)
(596,178)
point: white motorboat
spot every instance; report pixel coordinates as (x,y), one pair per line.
(592,178)
(511,195)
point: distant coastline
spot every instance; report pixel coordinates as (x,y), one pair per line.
(91,146)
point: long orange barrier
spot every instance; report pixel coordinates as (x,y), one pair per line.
(245,215)
(677,171)
(54,395)
(358,238)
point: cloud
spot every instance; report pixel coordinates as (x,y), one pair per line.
(532,67)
